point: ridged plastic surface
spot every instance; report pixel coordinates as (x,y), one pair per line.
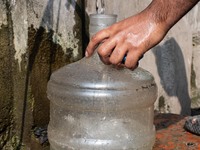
(99,107)
(100,21)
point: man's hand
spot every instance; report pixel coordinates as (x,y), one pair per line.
(131,37)
(135,35)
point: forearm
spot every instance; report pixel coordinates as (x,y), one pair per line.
(137,34)
(168,12)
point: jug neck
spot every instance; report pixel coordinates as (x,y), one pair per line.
(97,23)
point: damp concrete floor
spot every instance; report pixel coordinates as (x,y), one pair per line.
(171,135)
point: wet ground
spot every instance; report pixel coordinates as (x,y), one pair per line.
(171,135)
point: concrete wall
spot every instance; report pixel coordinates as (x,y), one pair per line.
(170,62)
(37,37)
(194,21)
(6,88)
(193,18)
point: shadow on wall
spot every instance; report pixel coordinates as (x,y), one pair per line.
(33,51)
(173,78)
(44,57)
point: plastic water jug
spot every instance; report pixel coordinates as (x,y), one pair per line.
(98,107)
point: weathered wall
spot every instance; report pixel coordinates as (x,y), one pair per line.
(6,96)
(6,88)
(37,37)
(169,62)
(196,66)
(193,18)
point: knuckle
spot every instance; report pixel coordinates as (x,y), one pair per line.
(105,61)
(94,38)
(129,67)
(102,52)
(113,61)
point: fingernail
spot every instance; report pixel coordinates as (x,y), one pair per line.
(86,54)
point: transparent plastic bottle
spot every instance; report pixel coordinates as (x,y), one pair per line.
(98,107)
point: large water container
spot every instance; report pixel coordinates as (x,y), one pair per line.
(98,107)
